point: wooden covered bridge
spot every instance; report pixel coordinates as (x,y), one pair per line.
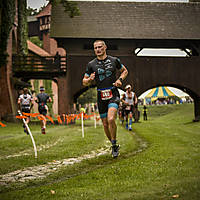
(127,26)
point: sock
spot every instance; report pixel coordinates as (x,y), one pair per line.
(130,122)
(113,142)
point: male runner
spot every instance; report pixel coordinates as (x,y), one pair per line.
(42,99)
(129,99)
(102,70)
(25,104)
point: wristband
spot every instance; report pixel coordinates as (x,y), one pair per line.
(121,79)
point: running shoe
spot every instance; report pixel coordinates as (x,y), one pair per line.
(130,129)
(43,131)
(115,151)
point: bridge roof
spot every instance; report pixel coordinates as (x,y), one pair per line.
(128,20)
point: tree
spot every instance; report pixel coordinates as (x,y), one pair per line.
(31,11)
(22,30)
(90,96)
(7,14)
(36,41)
(70,7)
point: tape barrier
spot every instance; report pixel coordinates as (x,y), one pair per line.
(2,125)
(62,119)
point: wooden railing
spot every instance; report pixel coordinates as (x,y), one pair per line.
(34,67)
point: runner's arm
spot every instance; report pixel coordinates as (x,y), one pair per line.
(49,99)
(19,103)
(32,102)
(36,100)
(135,99)
(87,80)
(123,100)
(124,73)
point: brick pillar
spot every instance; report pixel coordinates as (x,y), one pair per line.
(55,97)
(49,44)
(8,102)
(65,101)
(46,42)
(5,106)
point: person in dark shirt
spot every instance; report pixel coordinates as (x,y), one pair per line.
(42,99)
(102,71)
(145,113)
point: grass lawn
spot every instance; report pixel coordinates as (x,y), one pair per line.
(159,160)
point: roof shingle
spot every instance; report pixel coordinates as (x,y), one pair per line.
(128,20)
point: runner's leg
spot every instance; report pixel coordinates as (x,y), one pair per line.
(130,121)
(126,119)
(106,128)
(111,122)
(112,112)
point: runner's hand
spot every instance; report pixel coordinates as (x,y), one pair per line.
(117,83)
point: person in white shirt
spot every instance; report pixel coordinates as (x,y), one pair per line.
(25,104)
(129,99)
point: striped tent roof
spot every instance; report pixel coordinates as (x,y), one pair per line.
(160,92)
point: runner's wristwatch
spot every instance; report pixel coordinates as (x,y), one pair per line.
(121,79)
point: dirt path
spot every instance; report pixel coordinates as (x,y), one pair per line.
(41,171)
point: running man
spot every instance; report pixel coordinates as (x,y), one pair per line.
(42,99)
(102,71)
(25,104)
(129,99)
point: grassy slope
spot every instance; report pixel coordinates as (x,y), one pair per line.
(169,166)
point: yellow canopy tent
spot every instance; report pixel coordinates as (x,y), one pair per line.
(159,92)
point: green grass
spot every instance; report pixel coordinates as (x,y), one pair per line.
(160,161)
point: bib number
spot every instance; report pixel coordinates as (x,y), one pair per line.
(106,94)
(128,107)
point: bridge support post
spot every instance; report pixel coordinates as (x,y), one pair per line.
(197,109)
(65,99)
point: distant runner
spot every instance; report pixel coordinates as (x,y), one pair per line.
(129,99)
(42,99)
(25,104)
(102,70)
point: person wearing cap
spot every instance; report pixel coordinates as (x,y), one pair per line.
(25,104)
(130,100)
(42,98)
(102,71)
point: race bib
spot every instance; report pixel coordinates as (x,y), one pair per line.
(106,94)
(128,107)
